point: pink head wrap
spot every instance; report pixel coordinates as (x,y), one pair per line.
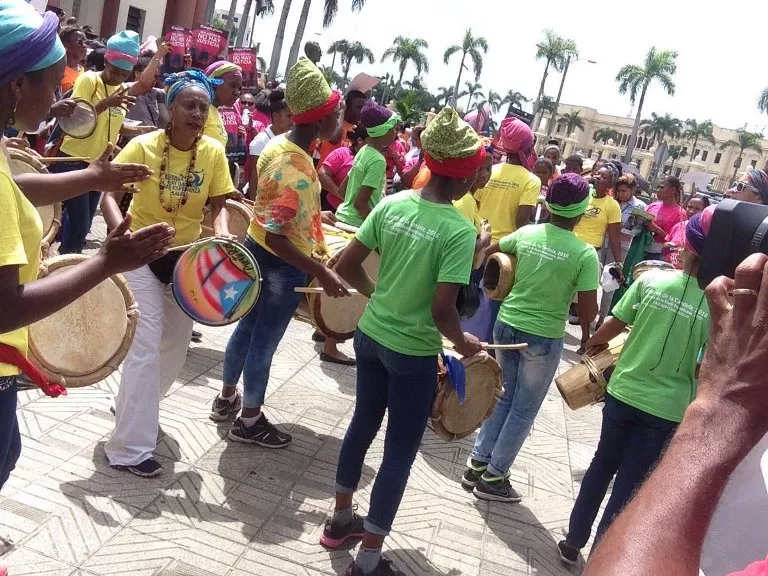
(697,230)
(516,137)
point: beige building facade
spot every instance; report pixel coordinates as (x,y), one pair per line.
(713,160)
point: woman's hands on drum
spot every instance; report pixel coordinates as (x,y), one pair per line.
(328,217)
(124,250)
(63,108)
(109,176)
(332,283)
(20,144)
(470,346)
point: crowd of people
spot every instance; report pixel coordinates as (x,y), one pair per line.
(434,201)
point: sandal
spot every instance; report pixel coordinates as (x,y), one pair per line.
(328,358)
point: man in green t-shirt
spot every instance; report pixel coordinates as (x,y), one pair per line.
(652,385)
(552,266)
(365,182)
(426,249)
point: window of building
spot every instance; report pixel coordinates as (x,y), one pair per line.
(696,153)
(589,154)
(704,155)
(753,163)
(624,140)
(559,128)
(678,170)
(135,20)
(685,151)
(718,157)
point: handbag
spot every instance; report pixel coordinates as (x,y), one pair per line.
(163,267)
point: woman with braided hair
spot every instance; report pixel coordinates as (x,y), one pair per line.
(189,169)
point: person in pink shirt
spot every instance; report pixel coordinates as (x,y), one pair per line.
(675,240)
(336,167)
(667,213)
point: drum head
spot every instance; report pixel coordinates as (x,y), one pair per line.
(82,122)
(216,282)
(23,163)
(646,265)
(239,220)
(85,341)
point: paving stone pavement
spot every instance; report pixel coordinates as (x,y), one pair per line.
(227,509)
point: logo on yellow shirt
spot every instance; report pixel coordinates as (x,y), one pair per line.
(177,184)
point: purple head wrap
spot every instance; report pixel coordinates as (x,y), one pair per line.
(23,47)
(697,230)
(568,196)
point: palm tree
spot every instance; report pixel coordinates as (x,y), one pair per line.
(554,49)
(605,134)
(357,52)
(546,104)
(745,140)
(696,131)
(405,50)
(444,95)
(657,127)
(337,49)
(415,85)
(570,52)
(635,79)
(473,93)
(494,100)
(762,102)
(675,152)
(514,98)
(407,107)
(471,46)
(572,120)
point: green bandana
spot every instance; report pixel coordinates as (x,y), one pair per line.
(570,211)
(382,129)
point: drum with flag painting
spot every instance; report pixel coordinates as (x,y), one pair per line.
(216,281)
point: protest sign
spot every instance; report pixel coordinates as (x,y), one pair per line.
(207,44)
(246,59)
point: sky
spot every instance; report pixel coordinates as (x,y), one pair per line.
(721,63)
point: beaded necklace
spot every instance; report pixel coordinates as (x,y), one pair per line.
(170,203)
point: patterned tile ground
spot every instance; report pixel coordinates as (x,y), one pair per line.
(233,510)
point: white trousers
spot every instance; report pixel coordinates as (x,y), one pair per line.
(153,362)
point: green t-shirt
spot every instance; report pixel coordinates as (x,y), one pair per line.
(369,169)
(421,244)
(670,324)
(552,265)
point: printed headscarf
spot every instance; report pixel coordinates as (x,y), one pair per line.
(28,41)
(308,94)
(377,120)
(516,137)
(697,230)
(123,50)
(451,146)
(182,80)
(568,196)
(223,67)
(759,179)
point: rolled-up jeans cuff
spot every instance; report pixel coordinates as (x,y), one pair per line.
(343,489)
(370,527)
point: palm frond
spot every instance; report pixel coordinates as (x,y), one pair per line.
(450,52)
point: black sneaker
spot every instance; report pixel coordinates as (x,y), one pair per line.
(568,554)
(385,568)
(147,469)
(263,434)
(335,536)
(197,336)
(497,489)
(224,409)
(472,474)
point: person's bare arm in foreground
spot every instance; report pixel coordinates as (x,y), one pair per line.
(662,529)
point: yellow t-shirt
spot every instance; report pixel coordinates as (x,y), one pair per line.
(211,179)
(214,126)
(90,86)
(510,187)
(288,197)
(21,231)
(467,205)
(594,224)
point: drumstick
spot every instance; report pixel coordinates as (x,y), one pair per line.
(48,160)
(318,289)
(345,227)
(487,346)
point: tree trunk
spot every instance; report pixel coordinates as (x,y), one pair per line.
(293,55)
(693,148)
(636,128)
(399,81)
(469,102)
(345,66)
(551,125)
(333,63)
(455,97)
(655,166)
(738,162)
(243,23)
(209,10)
(537,103)
(231,19)
(277,47)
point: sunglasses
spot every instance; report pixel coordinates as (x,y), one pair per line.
(739,187)
(247,103)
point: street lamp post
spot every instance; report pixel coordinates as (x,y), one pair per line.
(551,124)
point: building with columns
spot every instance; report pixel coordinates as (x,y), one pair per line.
(715,161)
(147,17)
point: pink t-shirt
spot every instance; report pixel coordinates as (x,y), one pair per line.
(676,237)
(666,218)
(754,569)
(339,163)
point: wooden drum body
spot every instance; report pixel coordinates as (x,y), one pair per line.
(86,341)
(585,384)
(499,275)
(452,419)
(239,220)
(23,163)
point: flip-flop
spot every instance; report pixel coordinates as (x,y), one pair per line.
(328,358)
(318,337)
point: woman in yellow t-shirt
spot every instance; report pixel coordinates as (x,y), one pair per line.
(189,169)
(228,79)
(32,63)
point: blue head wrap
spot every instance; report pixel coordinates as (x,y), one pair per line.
(182,80)
(28,41)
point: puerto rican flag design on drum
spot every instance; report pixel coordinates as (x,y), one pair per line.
(223,283)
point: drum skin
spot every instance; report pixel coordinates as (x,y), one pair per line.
(239,220)
(86,341)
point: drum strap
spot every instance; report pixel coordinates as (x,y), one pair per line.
(457,376)
(10,355)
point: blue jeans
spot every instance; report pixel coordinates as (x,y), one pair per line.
(631,442)
(405,386)
(78,212)
(253,343)
(10,439)
(527,376)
